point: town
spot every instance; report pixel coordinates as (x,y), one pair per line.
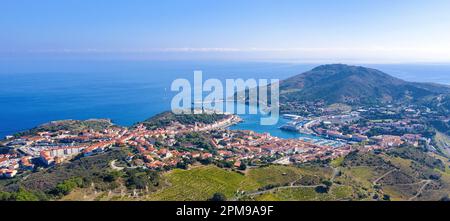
(179,145)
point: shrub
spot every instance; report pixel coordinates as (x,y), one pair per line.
(218,197)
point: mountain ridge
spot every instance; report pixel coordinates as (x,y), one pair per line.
(340,83)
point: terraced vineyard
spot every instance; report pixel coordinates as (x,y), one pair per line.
(275,175)
(200,184)
(307,194)
(403,174)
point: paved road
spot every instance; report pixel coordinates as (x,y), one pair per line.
(114,167)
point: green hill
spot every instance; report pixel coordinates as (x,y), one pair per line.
(167,118)
(338,83)
(404,174)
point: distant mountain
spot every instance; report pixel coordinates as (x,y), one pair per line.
(339,83)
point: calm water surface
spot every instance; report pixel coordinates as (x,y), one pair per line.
(35,92)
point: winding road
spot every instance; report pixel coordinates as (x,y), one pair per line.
(279,188)
(421,189)
(114,167)
(383,176)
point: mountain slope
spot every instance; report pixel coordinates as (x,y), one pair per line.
(338,83)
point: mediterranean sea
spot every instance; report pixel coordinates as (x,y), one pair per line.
(36,92)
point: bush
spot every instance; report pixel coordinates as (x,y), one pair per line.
(182,165)
(218,197)
(243,166)
(111,176)
(6,196)
(24,195)
(67,186)
(445,199)
(321,189)
(327,183)
(141,179)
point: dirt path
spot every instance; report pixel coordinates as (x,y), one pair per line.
(335,173)
(383,176)
(421,189)
(275,189)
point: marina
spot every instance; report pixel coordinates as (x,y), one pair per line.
(288,127)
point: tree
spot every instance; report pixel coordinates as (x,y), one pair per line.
(111,176)
(141,179)
(6,196)
(445,198)
(321,189)
(327,183)
(206,161)
(218,197)
(24,195)
(182,165)
(67,186)
(325,187)
(243,166)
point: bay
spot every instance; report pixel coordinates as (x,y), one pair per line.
(36,92)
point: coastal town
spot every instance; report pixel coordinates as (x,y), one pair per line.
(48,148)
(387,126)
(179,145)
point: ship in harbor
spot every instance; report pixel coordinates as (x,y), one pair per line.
(298,124)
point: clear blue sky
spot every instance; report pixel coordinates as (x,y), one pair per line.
(304,30)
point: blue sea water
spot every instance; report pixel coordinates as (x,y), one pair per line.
(36,92)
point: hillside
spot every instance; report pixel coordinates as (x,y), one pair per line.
(70,125)
(340,83)
(167,118)
(401,174)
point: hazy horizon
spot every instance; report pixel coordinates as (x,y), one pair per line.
(349,31)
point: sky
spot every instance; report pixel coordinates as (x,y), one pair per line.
(379,31)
